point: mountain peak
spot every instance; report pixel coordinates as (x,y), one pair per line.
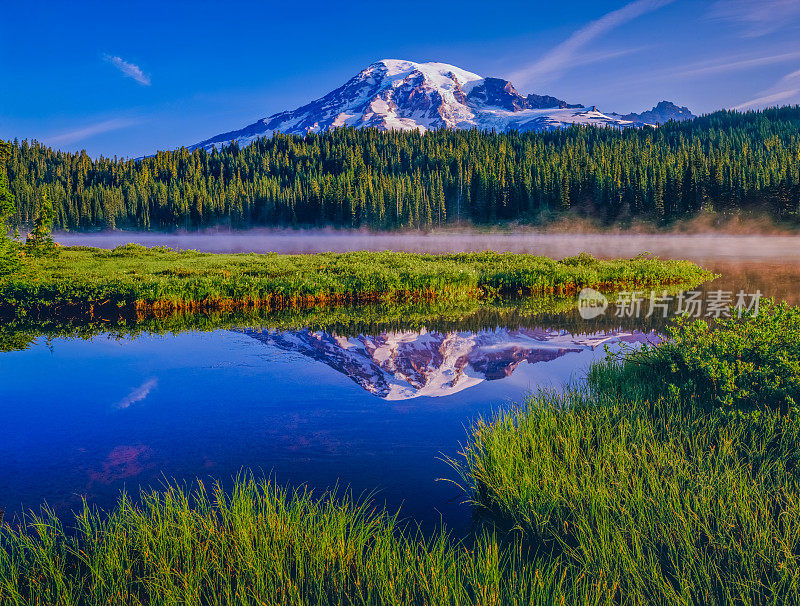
(410,364)
(662,112)
(435,72)
(397,94)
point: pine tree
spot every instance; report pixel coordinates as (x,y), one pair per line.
(9,248)
(40,241)
(350,177)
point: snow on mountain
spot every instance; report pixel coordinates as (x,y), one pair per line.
(396,94)
(404,365)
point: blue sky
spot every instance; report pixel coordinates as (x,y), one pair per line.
(127,78)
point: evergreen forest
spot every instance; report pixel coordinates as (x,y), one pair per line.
(725,161)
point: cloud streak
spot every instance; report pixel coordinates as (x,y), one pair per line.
(568,52)
(759,17)
(785,89)
(735,65)
(138,394)
(130,70)
(91,130)
(720,65)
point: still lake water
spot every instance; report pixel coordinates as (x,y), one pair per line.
(88,418)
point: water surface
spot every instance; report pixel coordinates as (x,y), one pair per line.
(87,418)
(373,409)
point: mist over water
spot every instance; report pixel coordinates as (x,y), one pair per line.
(699,248)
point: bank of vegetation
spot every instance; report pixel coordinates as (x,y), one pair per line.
(672,477)
(727,161)
(77,280)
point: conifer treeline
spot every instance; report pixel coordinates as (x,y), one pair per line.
(347,177)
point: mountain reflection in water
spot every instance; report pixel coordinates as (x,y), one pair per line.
(120,412)
(410,364)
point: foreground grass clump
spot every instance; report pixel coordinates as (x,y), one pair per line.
(162,278)
(673,478)
(259,545)
(656,506)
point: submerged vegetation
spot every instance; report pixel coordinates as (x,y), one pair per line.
(79,280)
(725,161)
(664,480)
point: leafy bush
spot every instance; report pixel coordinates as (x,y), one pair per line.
(742,364)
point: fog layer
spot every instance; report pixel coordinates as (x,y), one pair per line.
(706,247)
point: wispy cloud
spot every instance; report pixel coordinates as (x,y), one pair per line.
(568,52)
(732,64)
(138,394)
(759,17)
(722,64)
(785,89)
(88,131)
(131,70)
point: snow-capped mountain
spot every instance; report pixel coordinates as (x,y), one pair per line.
(404,365)
(396,94)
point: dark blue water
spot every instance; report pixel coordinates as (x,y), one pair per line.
(86,419)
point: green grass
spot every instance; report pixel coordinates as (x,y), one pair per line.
(259,545)
(82,278)
(655,506)
(672,478)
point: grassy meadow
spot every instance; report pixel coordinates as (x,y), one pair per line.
(262,545)
(670,477)
(80,280)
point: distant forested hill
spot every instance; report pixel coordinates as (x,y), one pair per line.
(351,178)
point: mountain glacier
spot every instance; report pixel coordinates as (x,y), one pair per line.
(396,94)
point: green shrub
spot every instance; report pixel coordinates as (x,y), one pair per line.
(738,364)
